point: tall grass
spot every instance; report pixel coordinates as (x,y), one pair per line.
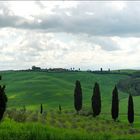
(11,130)
(67,125)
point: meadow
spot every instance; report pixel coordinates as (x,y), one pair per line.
(51,88)
(30,89)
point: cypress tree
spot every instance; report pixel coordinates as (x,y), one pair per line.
(130,109)
(96,100)
(78,96)
(41,109)
(115,104)
(60,108)
(3,101)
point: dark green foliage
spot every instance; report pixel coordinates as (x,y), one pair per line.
(130,110)
(115,104)
(78,96)
(60,108)
(41,109)
(96,100)
(131,84)
(3,101)
(36,68)
(101,69)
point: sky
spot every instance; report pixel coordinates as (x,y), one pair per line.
(80,34)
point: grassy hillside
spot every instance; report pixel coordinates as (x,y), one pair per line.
(66,125)
(51,89)
(32,88)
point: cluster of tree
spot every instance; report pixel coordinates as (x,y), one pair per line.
(34,68)
(131,84)
(3,100)
(102,71)
(96,102)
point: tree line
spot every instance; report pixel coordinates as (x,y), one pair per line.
(96,102)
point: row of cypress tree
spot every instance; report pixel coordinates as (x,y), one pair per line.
(96,102)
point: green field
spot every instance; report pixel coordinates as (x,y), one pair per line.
(51,89)
(30,89)
(65,126)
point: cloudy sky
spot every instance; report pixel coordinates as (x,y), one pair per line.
(69,34)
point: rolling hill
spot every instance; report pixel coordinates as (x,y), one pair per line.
(52,88)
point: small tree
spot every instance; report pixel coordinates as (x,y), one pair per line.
(24,108)
(41,109)
(60,108)
(130,110)
(96,100)
(115,104)
(78,96)
(3,101)
(101,69)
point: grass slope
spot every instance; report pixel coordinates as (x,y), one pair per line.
(51,89)
(53,125)
(32,88)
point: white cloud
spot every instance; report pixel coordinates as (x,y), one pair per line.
(89,35)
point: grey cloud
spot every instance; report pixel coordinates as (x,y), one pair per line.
(105,21)
(107,44)
(39,4)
